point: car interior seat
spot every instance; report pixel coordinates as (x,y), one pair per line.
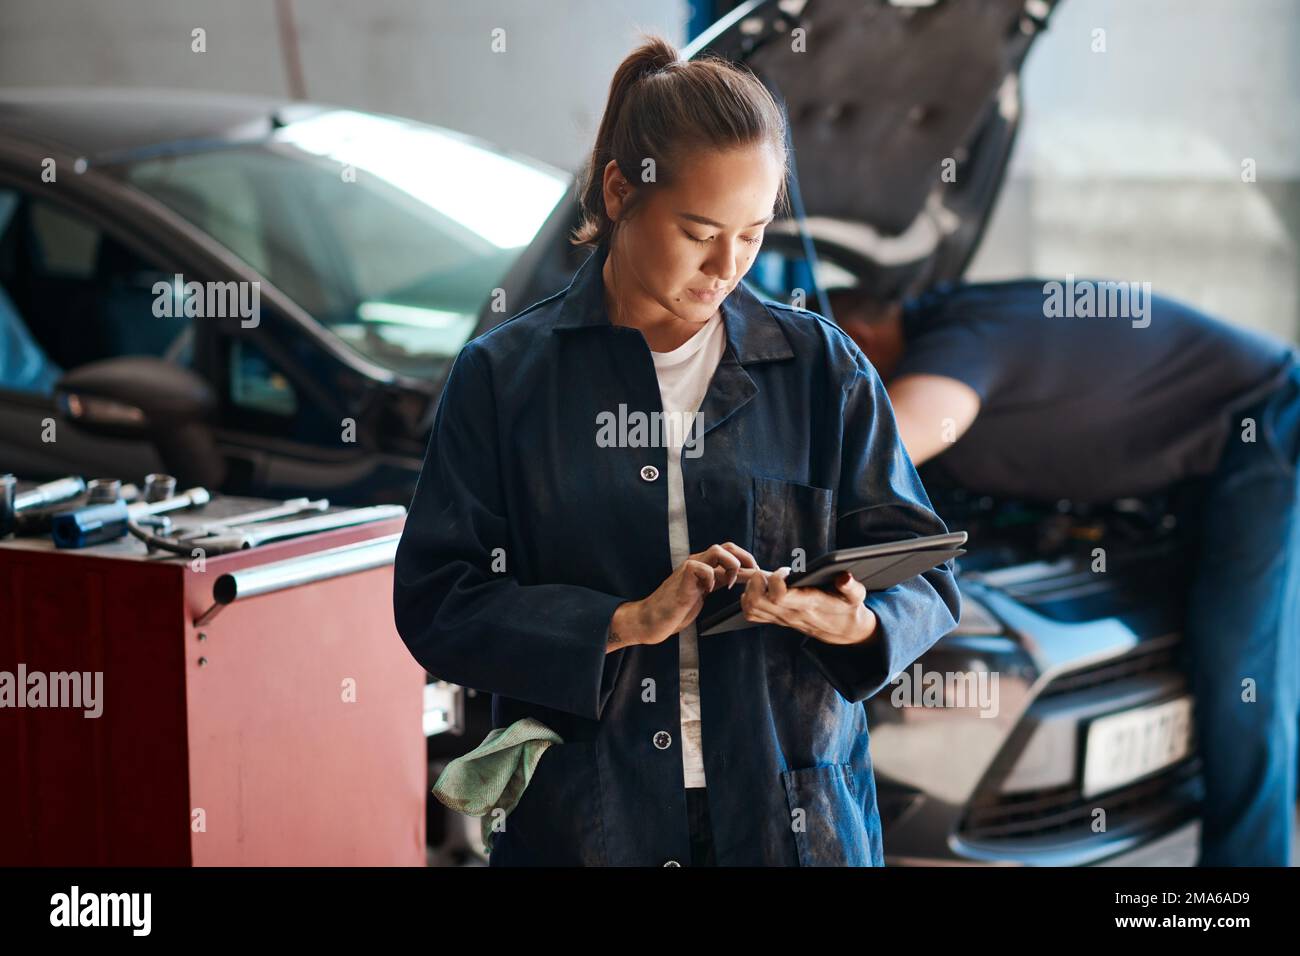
(24,366)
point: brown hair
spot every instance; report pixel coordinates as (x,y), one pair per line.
(662,107)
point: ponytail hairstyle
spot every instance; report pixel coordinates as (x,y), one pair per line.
(663,108)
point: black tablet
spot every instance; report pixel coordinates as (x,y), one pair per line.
(877,566)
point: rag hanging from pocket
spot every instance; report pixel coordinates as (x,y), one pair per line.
(495,773)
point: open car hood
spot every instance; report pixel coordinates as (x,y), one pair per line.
(902,114)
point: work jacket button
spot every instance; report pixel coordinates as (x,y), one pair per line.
(663,740)
(649,473)
(672,863)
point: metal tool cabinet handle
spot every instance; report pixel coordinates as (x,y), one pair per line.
(293,572)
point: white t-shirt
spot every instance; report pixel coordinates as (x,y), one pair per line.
(684,375)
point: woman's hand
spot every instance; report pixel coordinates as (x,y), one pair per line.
(833,617)
(676,602)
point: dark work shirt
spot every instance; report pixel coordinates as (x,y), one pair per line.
(1085,407)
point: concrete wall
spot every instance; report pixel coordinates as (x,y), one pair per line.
(428,59)
(1130,160)
(1129,163)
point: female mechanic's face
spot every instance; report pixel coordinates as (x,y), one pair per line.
(689,243)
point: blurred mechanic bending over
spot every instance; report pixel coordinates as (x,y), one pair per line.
(1012,402)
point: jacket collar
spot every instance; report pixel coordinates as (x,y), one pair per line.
(753,333)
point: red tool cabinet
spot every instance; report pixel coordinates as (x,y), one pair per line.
(285,731)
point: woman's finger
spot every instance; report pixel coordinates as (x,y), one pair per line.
(702,574)
(726,560)
(746,559)
(754,601)
(850,588)
(714,554)
(755,588)
(719,557)
(776,589)
(717,554)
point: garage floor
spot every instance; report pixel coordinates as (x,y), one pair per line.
(1182,851)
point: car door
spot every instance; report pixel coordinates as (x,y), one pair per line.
(78,286)
(73,290)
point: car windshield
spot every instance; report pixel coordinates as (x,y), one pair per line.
(391,233)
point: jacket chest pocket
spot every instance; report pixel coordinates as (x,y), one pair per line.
(833,823)
(792,521)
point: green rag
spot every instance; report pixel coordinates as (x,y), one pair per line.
(495,773)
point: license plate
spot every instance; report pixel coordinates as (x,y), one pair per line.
(1136,743)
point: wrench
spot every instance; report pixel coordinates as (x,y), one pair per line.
(293,506)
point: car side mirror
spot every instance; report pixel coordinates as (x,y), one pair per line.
(147,399)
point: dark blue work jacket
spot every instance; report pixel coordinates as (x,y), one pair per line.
(526,532)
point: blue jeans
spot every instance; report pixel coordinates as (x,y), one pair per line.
(1242,638)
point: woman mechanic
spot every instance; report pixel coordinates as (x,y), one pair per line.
(564,572)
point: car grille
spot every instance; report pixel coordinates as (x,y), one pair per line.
(1063,809)
(1058,811)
